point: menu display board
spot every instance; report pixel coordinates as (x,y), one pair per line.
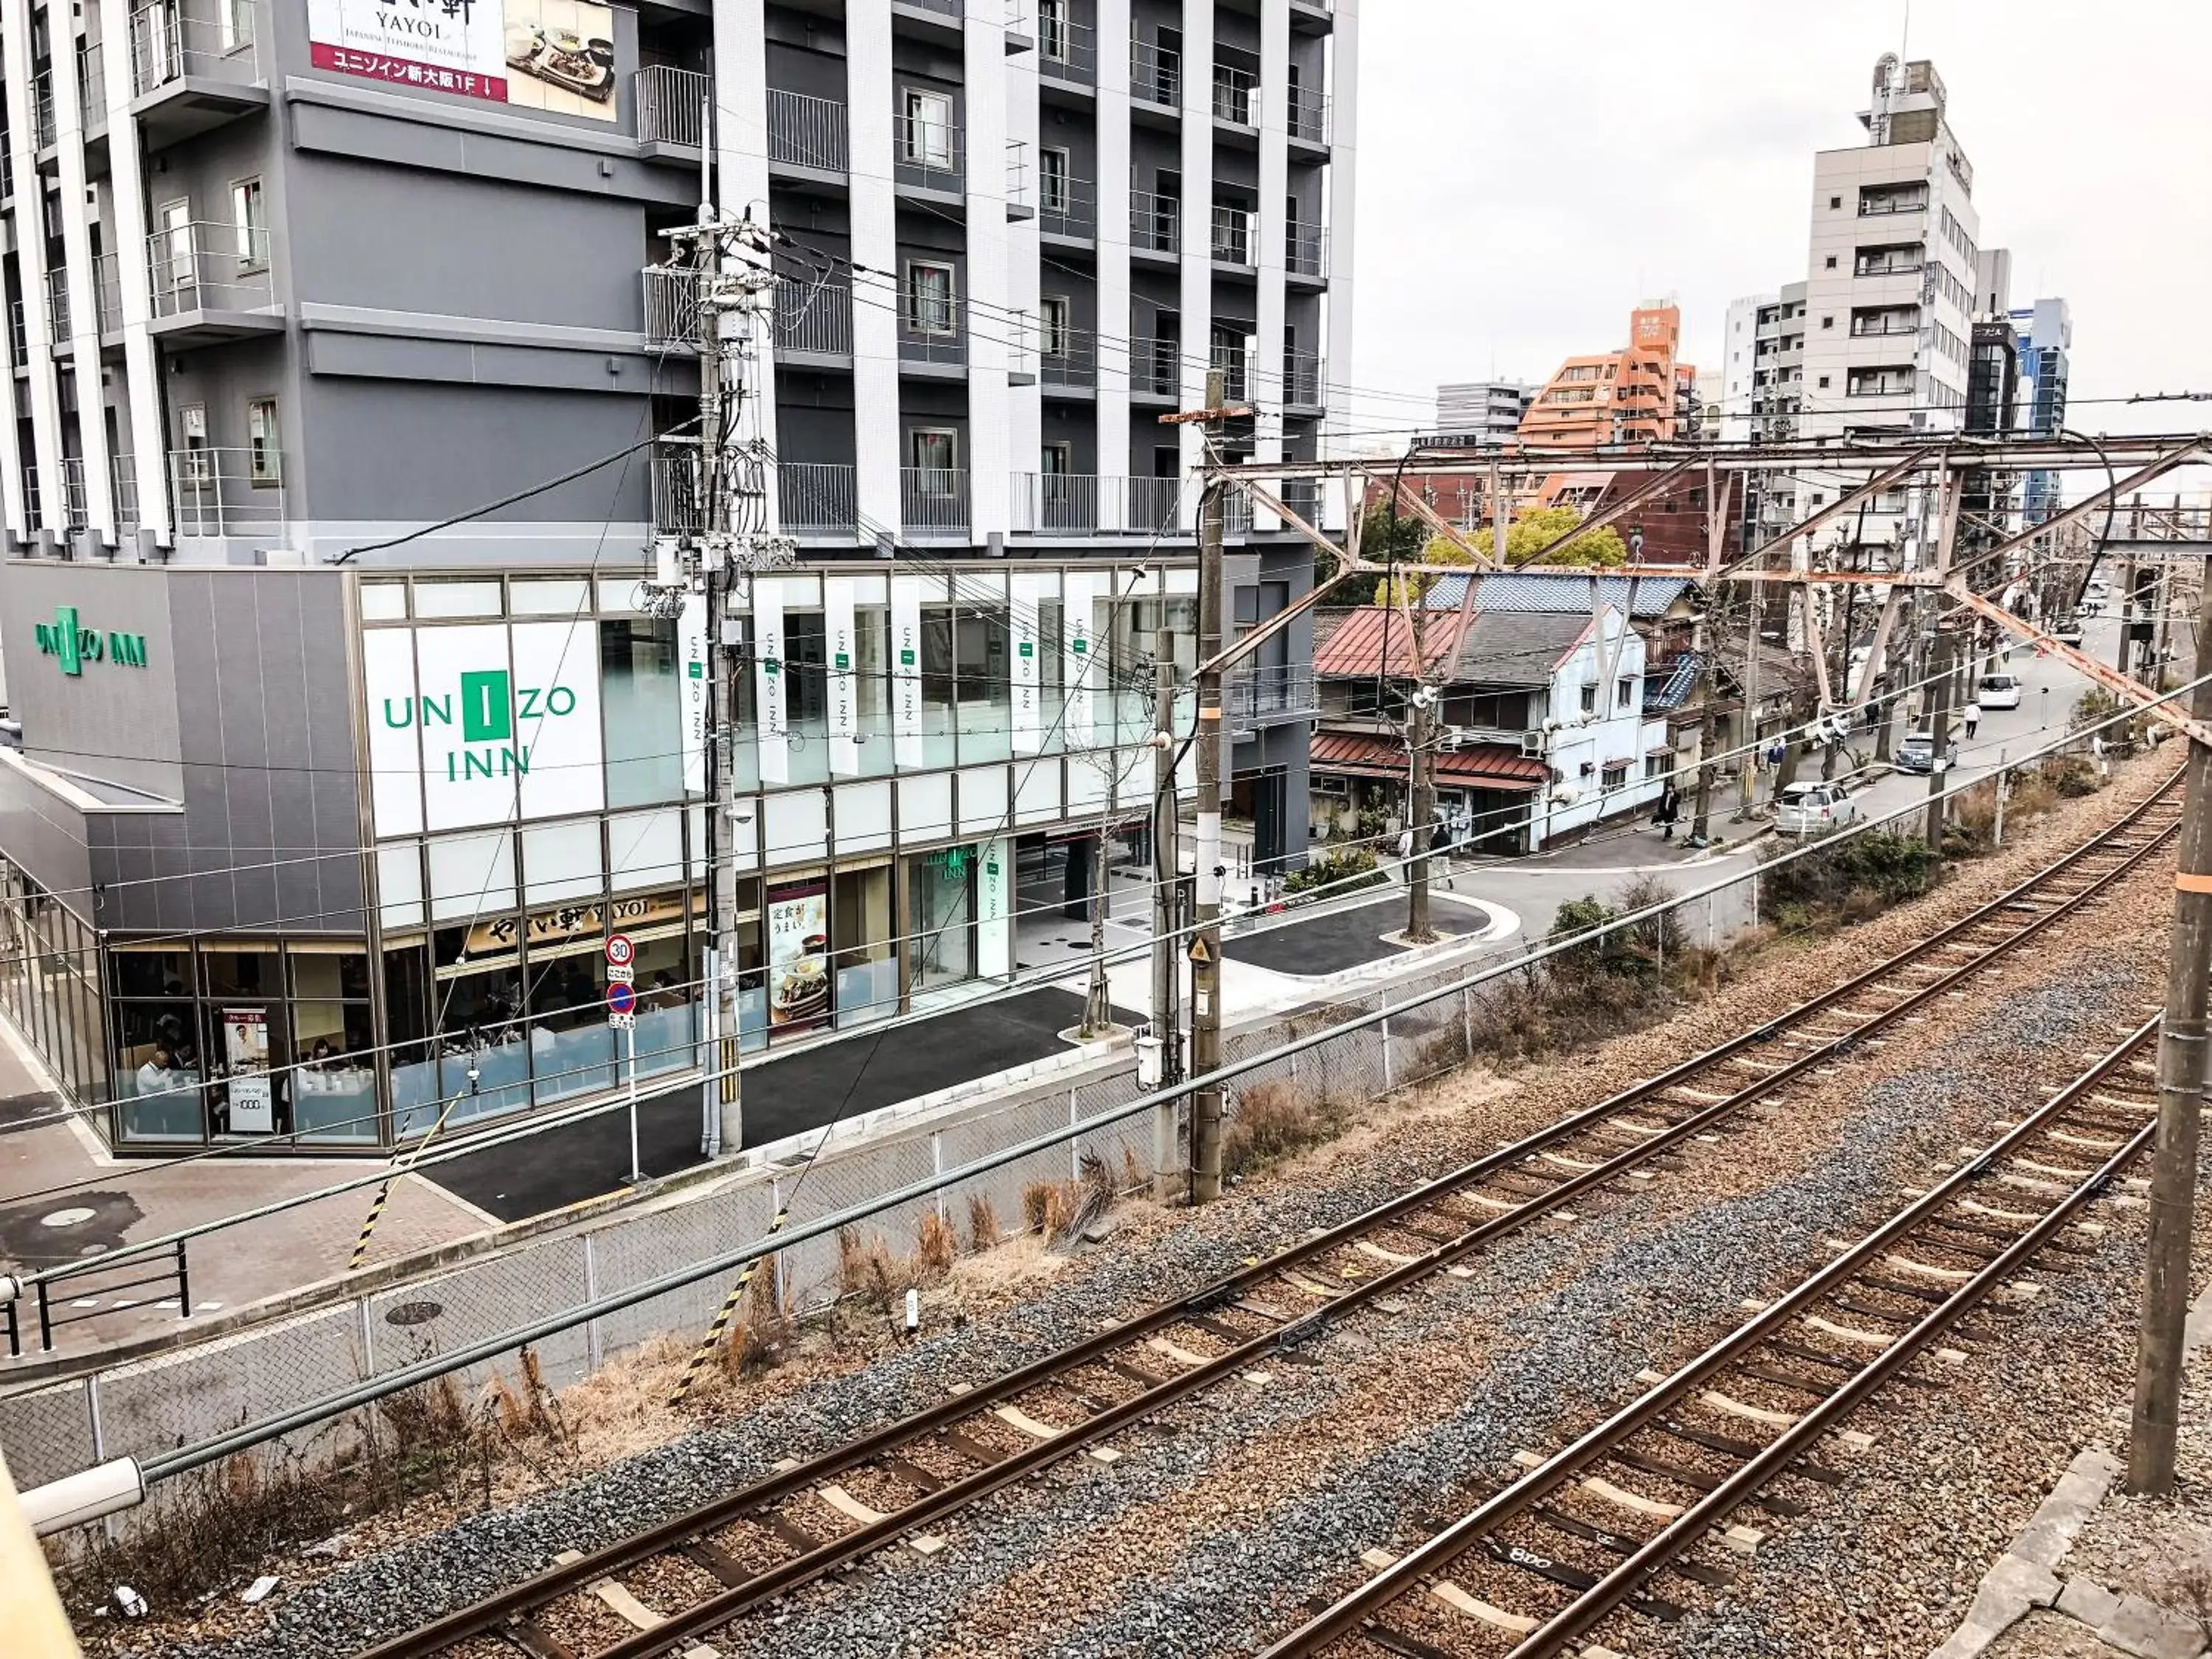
(797,957)
(552,54)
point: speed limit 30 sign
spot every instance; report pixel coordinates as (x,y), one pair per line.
(620,951)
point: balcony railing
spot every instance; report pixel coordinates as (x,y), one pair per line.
(107,292)
(1067,206)
(927,153)
(57,306)
(1236,96)
(943,8)
(1017,177)
(818,496)
(1255,690)
(91,87)
(932,330)
(123,491)
(1233,235)
(1069,357)
(42,108)
(76,505)
(1155,366)
(1308,115)
(19,347)
(1874,207)
(1302,497)
(1861,330)
(933,498)
(1896,265)
(213,41)
(679,492)
(1301,379)
(814,318)
(1155,75)
(207,266)
(32,499)
(1083,503)
(804,131)
(1878,385)
(671,106)
(1306,249)
(227,492)
(1235,363)
(1155,222)
(1066,50)
(672,308)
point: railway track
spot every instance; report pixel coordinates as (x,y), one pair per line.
(1604,1522)
(663,1589)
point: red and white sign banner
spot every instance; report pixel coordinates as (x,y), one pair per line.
(552,54)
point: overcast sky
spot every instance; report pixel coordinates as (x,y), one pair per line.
(1526,174)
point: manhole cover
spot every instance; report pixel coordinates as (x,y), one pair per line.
(67,1218)
(413,1313)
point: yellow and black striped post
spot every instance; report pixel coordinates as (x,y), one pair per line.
(714,1337)
(384,1192)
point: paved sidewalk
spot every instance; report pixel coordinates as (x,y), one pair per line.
(63,1198)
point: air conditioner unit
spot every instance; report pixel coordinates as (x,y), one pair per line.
(1452,738)
(1531,743)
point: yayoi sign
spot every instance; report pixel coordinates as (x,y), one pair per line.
(482,723)
(73,645)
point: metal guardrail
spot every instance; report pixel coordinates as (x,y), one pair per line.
(814,318)
(42,109)
(58,306)
(107,292)
(1084,503)
(1306,249)
(1066,50)
(1155,365)
(227,492)
(1233,235)
(933,498)
(76,504)
(679,494)
(927,154)
(817,495)
(208,266)
(1236,96)
(672,306)
(171,42)
(1308,116)
(1301,379)
(1155,222)
(1156,75)
(931,330)
(1071,358)
(1066,205)
(806,131)
(671,105)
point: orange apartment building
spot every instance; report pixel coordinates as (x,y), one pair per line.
(1635,395)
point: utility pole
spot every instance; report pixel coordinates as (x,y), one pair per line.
(694,570)
(1168,1162)
(2181,1074)
(1206,939)
(1701,821)
(1748,773)
(1939,730)
(2124,658)
(1421,738)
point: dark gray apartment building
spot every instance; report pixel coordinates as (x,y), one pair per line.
(351,388)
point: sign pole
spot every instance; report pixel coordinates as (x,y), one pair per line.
(629,1044)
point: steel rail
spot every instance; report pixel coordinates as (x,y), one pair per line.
(488,1615)
(1351,1614)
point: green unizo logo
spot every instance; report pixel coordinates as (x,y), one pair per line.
(489,705)
(74,646)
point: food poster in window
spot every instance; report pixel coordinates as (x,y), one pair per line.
(557,56)
(245,1058)
(798,955)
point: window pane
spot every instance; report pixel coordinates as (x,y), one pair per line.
(641,690)
(937,683)
(157,1070)
(572,1048)
(985,687)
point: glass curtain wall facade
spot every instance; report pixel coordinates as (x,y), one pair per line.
(479,989)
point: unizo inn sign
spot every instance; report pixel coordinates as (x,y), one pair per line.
(482,723)
(74,645)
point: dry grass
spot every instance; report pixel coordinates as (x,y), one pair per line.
(983,1232)
(936,1245)
(1274,1121)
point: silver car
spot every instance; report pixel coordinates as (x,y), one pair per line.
(1813,809)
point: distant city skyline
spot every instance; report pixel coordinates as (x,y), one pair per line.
(1525,238)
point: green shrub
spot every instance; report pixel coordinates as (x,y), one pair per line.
(1353,868)
(1854,879)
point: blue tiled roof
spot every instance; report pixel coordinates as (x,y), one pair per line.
(1660,694)
(1511,591)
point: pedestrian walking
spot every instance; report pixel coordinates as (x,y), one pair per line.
(1406,843)
(1972,715)
(1670,810)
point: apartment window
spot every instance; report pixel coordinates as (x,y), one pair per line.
(927,139)
(264,466)
(1824,383)
(1654,766)
(1058,333)
(194,466)
(1053,176)
(1827,322)
(1615,775)
(1052,29)
(1830,264)
(247,217)
(1624,693)
(1835,202)
(934,452)
(1057,460)
(929,297)
(1589,700)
